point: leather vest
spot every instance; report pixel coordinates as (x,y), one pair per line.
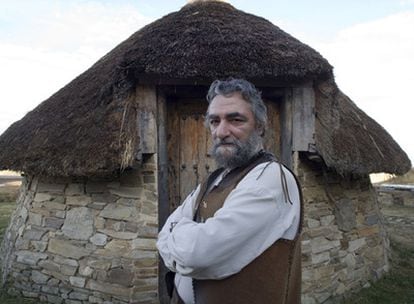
(274,276)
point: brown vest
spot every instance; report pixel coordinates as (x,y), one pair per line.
(274,276)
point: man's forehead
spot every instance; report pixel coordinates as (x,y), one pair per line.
(229,105)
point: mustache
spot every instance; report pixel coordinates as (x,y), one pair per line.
(221,142)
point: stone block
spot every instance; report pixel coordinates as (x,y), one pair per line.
(68,270)
(356,244)
(320,257)
(371,219)
(54,206)
(99,223)
(50,187)
(38,277)
(128,192)
(29,257)
(95,300)
(368,231)
(53,222)
(144,244)
(54,299)
(119,235)
(35,219)
(99,264)
(97,205)
(320,244)
(22,244)
(42,197)
(39,246)
(120,276)
(345,214)
(50,289)
(312,223)
(60,214)
(30,294)
(115,248)
(75,189)
(147,232)
(34,233)
(145,297)
(82,296)
(96,187)
(69,301)
(99,239)
(78,224)
(108,288)
(81,200)
(49,265)
(120,212)
(145,262)
(68,262)
(67,249)
(327,220)
(78,282)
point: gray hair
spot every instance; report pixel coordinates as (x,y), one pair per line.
(248,92)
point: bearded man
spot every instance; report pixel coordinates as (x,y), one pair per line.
(235,238)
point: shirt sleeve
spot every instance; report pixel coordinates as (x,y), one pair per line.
(185,210)
(253,217)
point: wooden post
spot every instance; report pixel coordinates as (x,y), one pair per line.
(303,124)
(286,129)
(163,203)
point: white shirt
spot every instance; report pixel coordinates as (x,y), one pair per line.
(254,215)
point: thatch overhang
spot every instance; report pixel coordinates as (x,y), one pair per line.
(351,142)
(89,127)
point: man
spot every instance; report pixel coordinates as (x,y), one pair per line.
(235,239)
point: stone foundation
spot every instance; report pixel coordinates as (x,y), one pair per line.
(344,244)
(85,240)
(93,240)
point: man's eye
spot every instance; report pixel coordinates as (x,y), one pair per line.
(214,122)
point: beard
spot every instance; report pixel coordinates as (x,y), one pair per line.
(232,153)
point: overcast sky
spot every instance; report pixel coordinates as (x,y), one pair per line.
(44,44)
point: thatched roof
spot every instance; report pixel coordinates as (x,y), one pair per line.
(89,126)
(350,141)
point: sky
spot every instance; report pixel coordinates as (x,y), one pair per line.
(44,44)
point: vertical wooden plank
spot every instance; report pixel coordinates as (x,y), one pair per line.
(173,147)
(272,134)
(303,118)
(146,101)
(163,199)
(286,129)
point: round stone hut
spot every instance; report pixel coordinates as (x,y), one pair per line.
(107,157)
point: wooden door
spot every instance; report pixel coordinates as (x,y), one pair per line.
(189,142)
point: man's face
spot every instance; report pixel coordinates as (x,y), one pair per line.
(233,128)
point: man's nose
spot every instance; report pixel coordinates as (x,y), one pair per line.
(222,130)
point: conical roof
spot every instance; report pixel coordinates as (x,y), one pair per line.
(88,126)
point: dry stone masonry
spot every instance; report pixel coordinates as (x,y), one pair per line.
(343,245)
(93,240)
(85,240)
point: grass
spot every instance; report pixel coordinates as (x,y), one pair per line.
(396,287)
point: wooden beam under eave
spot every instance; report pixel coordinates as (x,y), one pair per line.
(303,119)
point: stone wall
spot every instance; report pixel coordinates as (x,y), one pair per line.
(400,195)
(85,240)
(344,246)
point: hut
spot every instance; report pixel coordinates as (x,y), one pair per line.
(107,157)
